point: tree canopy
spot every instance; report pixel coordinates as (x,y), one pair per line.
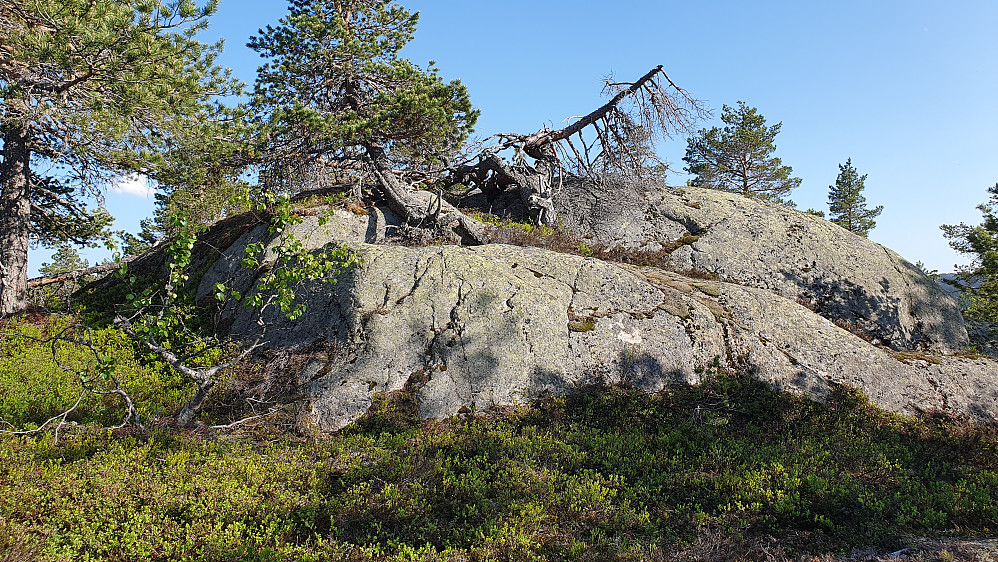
(846,203)
(335,94)
(980,278)
(91,89)
(739,157)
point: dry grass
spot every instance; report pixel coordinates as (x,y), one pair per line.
(563,240)
(912,356)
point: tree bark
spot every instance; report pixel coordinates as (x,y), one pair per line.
(15,220)
(536,145)
(399,200)
(493,175)
(412,209)
(187,413)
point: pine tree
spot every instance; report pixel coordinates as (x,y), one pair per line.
(57,296)
(846,204)
(336,92)
(64,260)
(91,89)
(980,278)
(739,157)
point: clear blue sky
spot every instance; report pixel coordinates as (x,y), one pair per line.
(906,88)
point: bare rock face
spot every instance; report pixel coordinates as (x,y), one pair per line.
(474,328)
(755,243)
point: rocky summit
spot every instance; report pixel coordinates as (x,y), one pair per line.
(472,328)
(756,243)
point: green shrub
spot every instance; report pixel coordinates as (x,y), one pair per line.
(36,384)
(604,473)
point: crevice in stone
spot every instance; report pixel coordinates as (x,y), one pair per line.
(416,282)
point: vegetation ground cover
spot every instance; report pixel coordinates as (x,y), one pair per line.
(604,473)
(105,90)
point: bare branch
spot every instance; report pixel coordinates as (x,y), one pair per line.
(85,340)
(237,423)
(555,136)
(61,417)
(624,136)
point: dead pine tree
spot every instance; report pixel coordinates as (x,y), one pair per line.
(620,135)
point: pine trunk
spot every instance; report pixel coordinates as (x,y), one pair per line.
(396,194)
(412,209)
(15,220)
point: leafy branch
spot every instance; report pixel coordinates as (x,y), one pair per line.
(164,321)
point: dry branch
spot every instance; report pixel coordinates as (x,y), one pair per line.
(106,267)
(86,341)
(623,138)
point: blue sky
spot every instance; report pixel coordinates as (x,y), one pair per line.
(906,88)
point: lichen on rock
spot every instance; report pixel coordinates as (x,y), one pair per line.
(477,327)
(761,244)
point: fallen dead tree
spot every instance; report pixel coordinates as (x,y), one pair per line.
(620,141)
(107,267)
